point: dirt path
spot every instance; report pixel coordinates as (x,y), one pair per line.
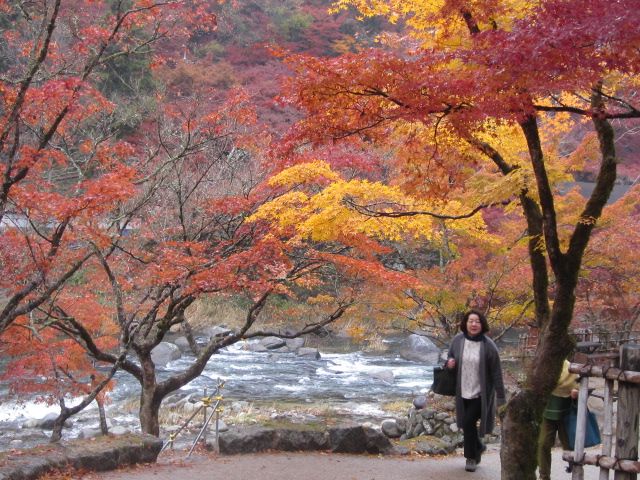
(322,466)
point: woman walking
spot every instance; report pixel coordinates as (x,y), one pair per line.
(479,385)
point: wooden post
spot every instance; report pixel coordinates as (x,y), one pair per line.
(581,428)
(204,417)
(628,411)
(217,446)
(607,426)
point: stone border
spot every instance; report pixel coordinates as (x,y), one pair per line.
(96,454)
(340,439)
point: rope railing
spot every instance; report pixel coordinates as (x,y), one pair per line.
(213,401)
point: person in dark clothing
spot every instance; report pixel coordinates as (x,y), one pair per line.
(479,386)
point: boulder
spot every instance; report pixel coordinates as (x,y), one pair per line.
(283,349)
(45,423)
(259,439)
(386,376)
(436,446)
(420,349)
(391,429)
(347,439)
(222,427)
(257,347)
(420,402)
(182,343)
(119,430)
(377,442)
(164,353)
(358,439)
(431,423)
(216,331)
(271,343)
(99,454)
(294,343)
(300,440)
(89,433)
(308,352)
(239,405)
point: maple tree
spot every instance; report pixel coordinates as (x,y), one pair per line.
(66,170)
(63,161)
(485,277)
(187,237)
(55,368)
(114,254)
(607,294)
(474,110)
(455,264)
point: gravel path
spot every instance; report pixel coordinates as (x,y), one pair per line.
(322,466)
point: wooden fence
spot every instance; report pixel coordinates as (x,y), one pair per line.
(588,341)
(622,383)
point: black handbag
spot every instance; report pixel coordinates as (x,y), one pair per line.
(444,381)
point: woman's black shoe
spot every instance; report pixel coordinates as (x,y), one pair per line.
(481,450)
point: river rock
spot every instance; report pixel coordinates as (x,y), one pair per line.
(104,453)
(385,375)
(182,343)
(258,439)
(308,352)
(30,423)
(89,433)
(216,331)
(256,347)
(190,408)
(119,430)
(358,439)
(294,343)
(420,349)
(239,405)
(390,428)
(420,402)
(222,427)
(164,353)
(346,439)
(437,426)
(271,343)
(283,349)
(45,423)
(436,446)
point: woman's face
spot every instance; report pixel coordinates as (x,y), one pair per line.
(474,327)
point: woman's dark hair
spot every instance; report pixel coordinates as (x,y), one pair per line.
(483,321)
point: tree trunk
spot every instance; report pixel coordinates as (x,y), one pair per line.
(104,428)
(58,424)
(521,422)
(149,398)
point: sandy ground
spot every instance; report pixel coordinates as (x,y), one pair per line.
(322,466)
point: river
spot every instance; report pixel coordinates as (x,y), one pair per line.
(357,382)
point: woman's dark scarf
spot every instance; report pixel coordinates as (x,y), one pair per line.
(475,338)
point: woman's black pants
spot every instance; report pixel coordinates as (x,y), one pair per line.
(472,413)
